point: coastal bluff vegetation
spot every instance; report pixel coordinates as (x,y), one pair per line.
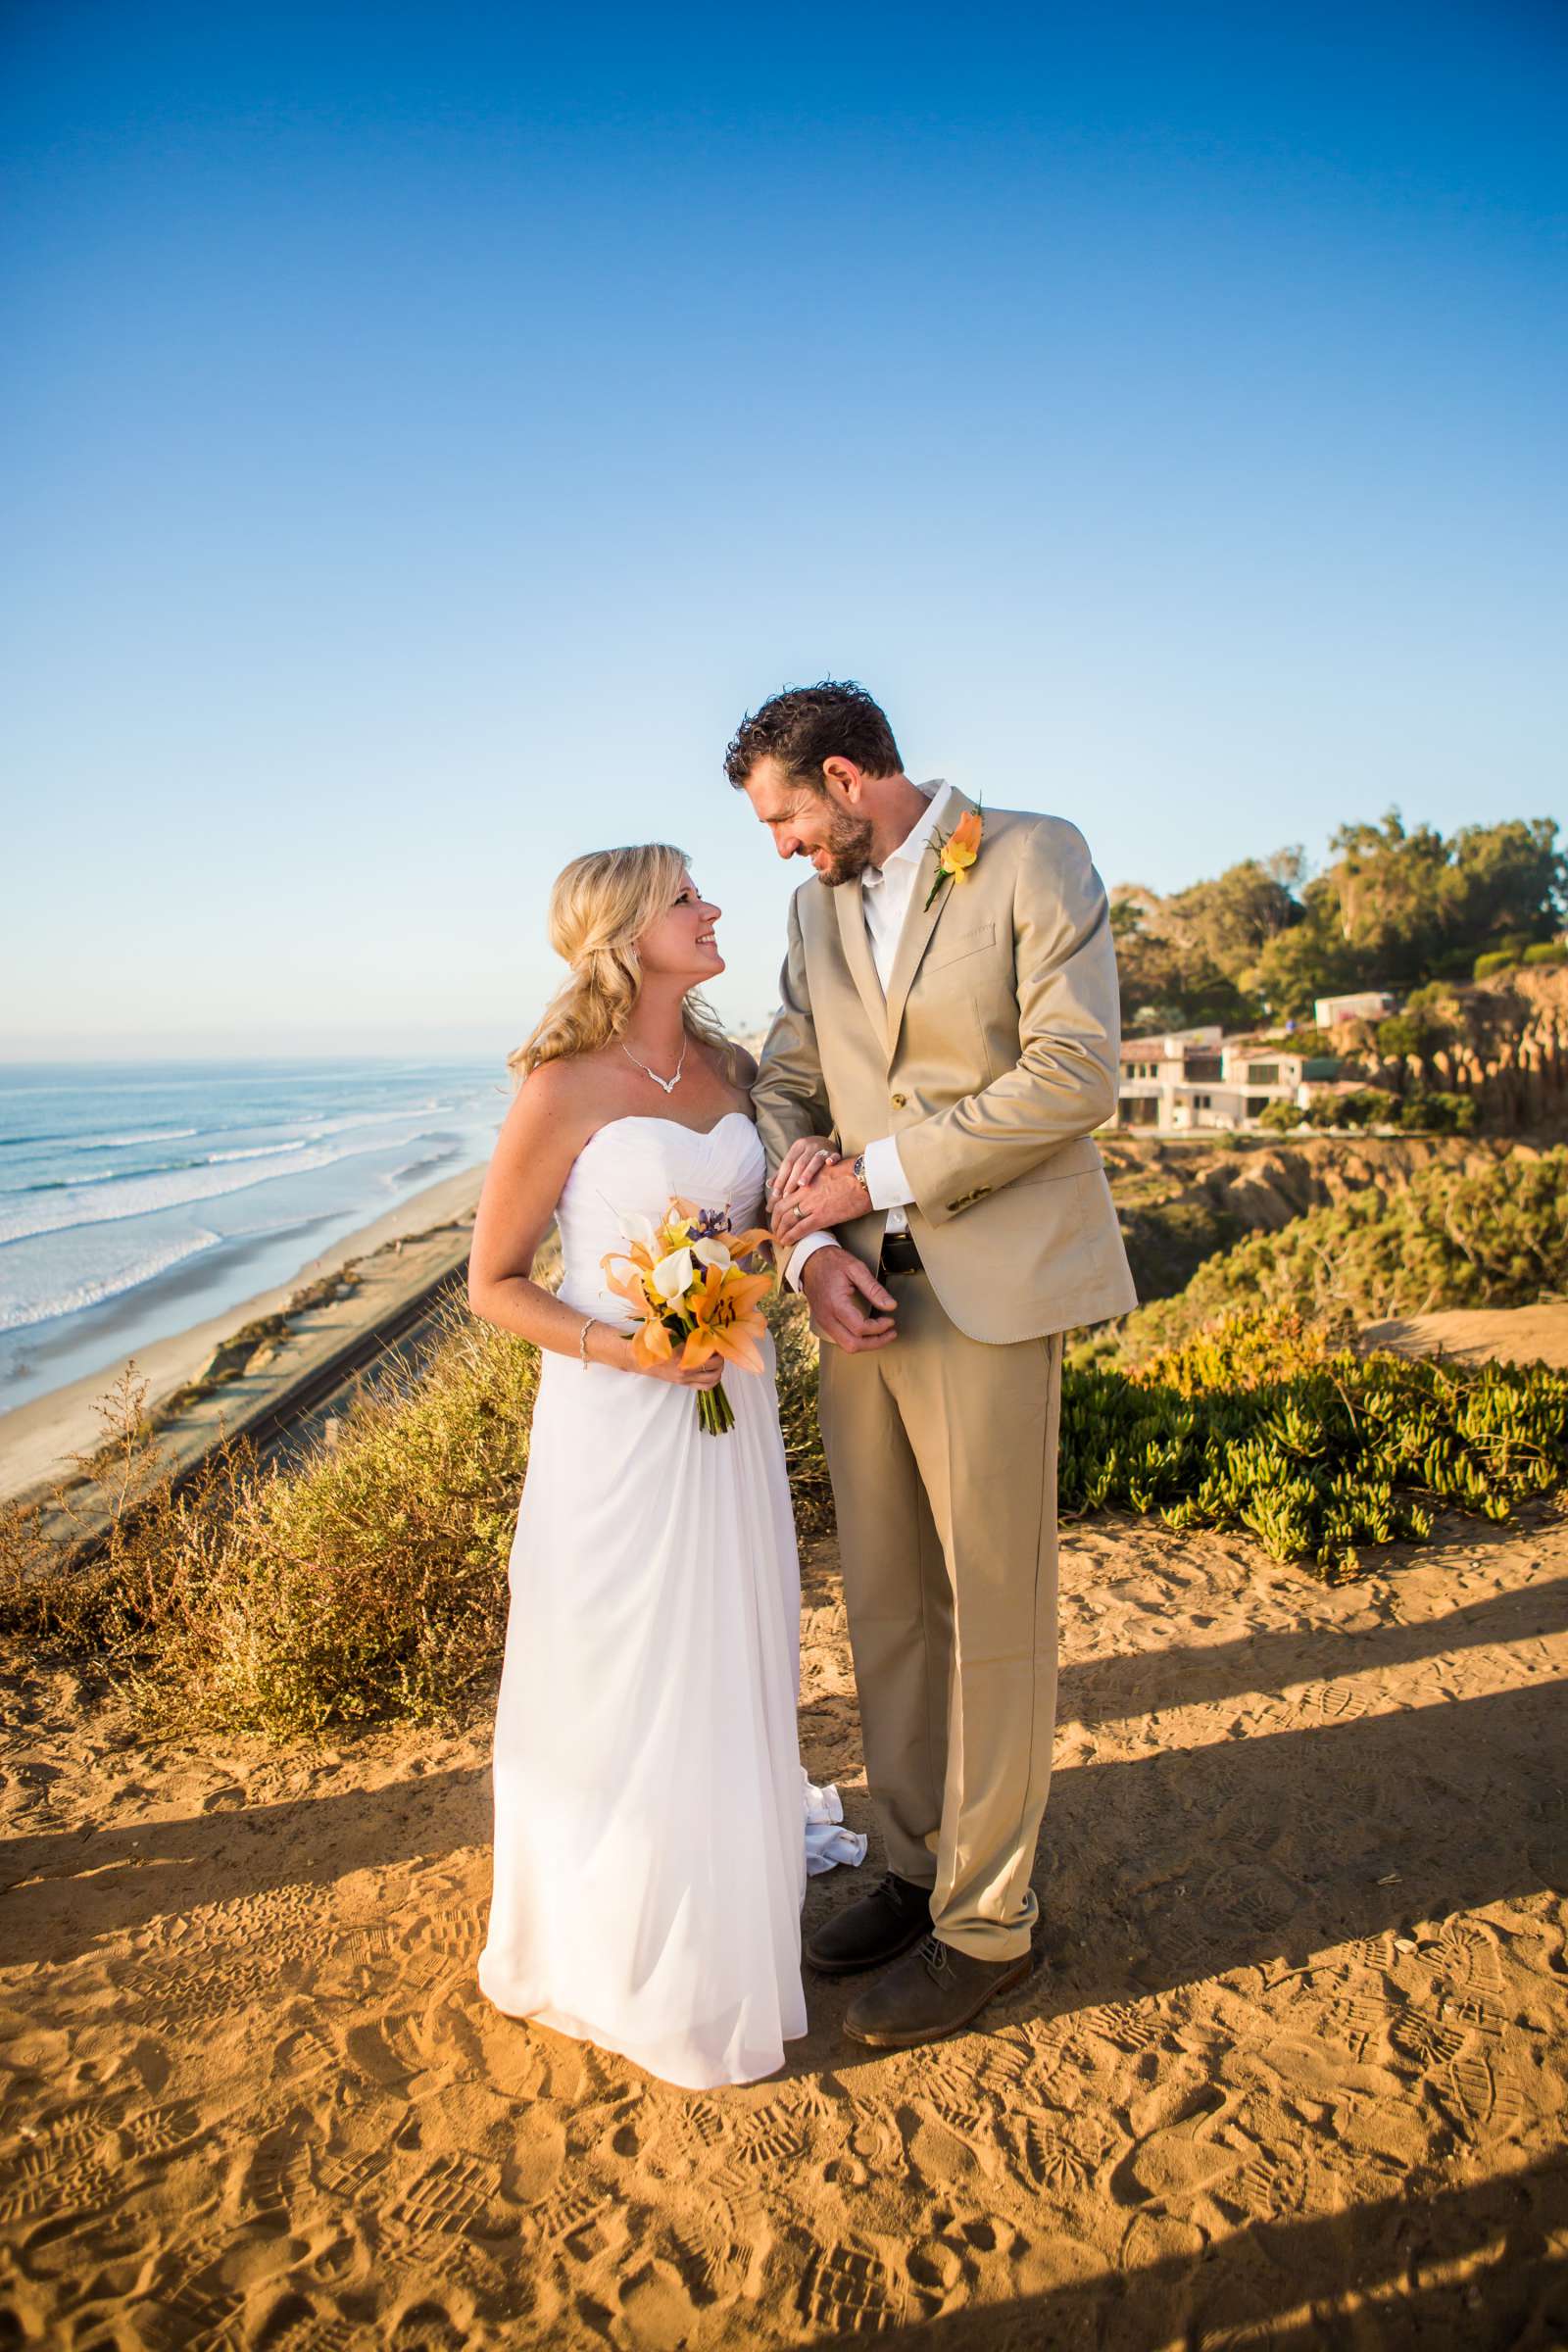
(366,1582)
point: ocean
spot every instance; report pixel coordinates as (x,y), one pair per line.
(137,1199)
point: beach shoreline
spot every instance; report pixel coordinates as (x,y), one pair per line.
(39,1439)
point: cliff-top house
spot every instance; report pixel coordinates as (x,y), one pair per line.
(1196,1078)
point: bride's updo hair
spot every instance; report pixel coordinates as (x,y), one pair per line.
(599,909)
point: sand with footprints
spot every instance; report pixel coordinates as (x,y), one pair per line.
(1291,2072)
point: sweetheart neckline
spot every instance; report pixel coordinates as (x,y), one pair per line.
(650,1118)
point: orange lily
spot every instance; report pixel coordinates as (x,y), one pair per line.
(727,1324)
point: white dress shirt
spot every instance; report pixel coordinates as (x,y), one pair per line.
(887,892)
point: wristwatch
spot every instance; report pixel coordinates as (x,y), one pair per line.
(858,1169)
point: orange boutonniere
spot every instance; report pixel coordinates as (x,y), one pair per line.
(958,851)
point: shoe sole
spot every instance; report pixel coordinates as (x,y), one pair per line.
(855,1968)
(889,2040)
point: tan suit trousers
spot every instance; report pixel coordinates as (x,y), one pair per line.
(943,1452)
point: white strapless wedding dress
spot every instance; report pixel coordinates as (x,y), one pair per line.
(651,1819)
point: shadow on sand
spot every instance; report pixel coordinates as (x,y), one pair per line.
(1501,2279)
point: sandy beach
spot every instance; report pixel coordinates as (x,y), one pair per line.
(1290,2074)
(38,1440)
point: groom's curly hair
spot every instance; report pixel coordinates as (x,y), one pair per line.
(804,725)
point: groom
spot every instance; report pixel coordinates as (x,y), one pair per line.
(947,1042)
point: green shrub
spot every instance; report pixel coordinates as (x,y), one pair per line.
(1497,1237)
(1368,1107)
(370,1583)
(1260,1423)
(1433,1112)
(1281,1118)
(1496,959)
(367,1583)
(1548,950)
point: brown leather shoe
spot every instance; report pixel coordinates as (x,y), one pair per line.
(933,1991)
(877,1928)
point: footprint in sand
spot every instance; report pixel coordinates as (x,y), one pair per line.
(849,2291)
(275,2174)
(428,2328)
(655,2308)
(1423,2040)
(573,2212)
(1475,2099)
(719,2258)
(1467,1966)
(1130,2031)
(199,2310)
(773,2142)
(200,1998)
(1047,2158)
(1342,1701)
(1271,2182)
(1177,2153)
(295,2327)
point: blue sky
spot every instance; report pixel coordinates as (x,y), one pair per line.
(428,430)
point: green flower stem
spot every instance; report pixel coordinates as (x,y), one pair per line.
(714,1411)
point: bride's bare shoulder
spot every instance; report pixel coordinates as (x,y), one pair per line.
(558,1102)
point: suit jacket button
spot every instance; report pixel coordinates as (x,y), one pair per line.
(898,1102)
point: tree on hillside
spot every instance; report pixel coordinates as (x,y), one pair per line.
(1230,921)
(1168,981)
(1394,908)
(1511,880)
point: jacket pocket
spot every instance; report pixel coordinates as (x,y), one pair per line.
(949,949)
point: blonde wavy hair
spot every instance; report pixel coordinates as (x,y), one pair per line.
(599,906)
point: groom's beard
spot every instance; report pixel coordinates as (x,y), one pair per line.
(849,850)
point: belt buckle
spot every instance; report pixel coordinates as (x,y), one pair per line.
(897,1246)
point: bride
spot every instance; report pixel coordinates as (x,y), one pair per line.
(651,1841)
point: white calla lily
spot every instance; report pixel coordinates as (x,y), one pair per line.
(711,1253)
(672,1276)
(637,1228)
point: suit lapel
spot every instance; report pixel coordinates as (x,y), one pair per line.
(855,942)
(920,922)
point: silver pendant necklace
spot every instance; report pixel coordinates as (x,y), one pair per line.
(668,1084)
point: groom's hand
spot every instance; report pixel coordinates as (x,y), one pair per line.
(831,1196)
(838,1290)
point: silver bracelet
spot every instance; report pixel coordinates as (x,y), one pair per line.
(582,1339)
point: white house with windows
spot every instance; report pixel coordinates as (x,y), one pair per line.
(1195,1078)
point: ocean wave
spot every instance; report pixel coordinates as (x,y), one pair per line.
(317,1124)
(392,1177)
(19,1314)
(140,1196)
(246,1152)
(159,1168)
(155,1135)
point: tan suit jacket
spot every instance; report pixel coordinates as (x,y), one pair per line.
(991,1059)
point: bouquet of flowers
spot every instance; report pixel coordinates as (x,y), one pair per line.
(683,1280)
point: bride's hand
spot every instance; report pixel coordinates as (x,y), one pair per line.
(707,1376)
(805,1157)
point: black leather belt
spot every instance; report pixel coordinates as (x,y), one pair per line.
(898,1255)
